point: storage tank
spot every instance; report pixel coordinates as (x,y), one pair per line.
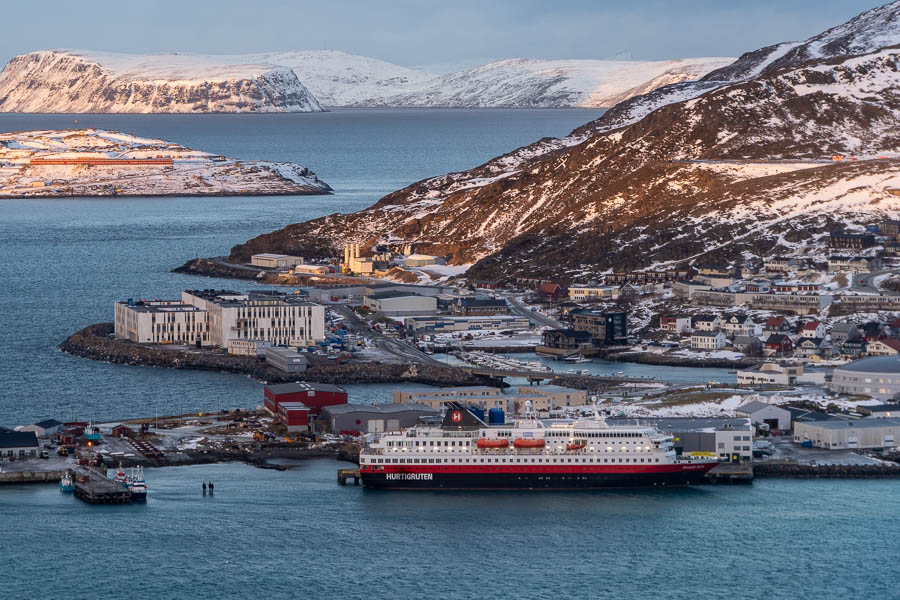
(478,412)
(496,416)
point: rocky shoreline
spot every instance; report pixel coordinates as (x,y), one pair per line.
(650,358)
(96,343)
(260,456)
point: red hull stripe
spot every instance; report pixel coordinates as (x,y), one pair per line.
(599,469)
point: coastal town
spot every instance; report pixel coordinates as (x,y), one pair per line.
(812,347)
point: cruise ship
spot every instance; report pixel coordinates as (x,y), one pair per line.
(464,453)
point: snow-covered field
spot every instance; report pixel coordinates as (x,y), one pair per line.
(191,172)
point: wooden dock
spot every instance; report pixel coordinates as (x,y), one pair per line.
(344,474)
(94,487)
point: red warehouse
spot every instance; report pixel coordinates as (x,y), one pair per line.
(294,416)
(313,395)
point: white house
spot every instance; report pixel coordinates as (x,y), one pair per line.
(707,323)
(708,340)
(813,329)
(736,325)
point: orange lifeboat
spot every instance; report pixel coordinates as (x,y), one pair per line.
(523,443)
(485,443)
(576,446)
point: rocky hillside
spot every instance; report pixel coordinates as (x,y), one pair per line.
(744,167)
(72,81)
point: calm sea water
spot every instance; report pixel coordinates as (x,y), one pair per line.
(270,534)
(294,534)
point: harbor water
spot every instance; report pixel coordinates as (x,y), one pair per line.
(271,534)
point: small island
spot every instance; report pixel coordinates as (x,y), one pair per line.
(95,162)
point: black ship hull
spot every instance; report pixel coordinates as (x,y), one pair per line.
(529,481)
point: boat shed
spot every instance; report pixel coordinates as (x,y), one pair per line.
(18,445)
(777,418)
(43,428)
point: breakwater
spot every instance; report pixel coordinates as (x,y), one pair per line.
(803,471)
(96,343)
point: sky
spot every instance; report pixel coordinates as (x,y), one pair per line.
(439,35)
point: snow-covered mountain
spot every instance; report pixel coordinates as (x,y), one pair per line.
(867,32)
(522,82)
(341,79)
(84,82)
(741,166)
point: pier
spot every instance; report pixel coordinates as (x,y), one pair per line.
(731,473)
(94,487)
(12,477)
(344,474)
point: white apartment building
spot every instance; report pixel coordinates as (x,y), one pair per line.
(161,322)
(281,319)
(707,340)
(216,317)
(580,293)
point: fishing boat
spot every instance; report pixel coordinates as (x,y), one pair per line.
(67,483)
(136,484)
(91,433)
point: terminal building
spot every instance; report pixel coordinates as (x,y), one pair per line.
(214,317)
(731,439)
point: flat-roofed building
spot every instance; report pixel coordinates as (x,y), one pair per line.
(557,395)
(878,377)
(162,322)
(248,347)
(453,393)
(843,434)
(275,261)
(375,418)
(731,439)
(286,359)
(582,293)
(273,316)
(395,304)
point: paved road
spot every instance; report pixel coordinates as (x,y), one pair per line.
(402,350)
(538,317)
(862,282)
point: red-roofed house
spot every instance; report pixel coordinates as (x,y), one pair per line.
(551,291)
(778,344)
(812,329)
(883,347)
(777,325)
